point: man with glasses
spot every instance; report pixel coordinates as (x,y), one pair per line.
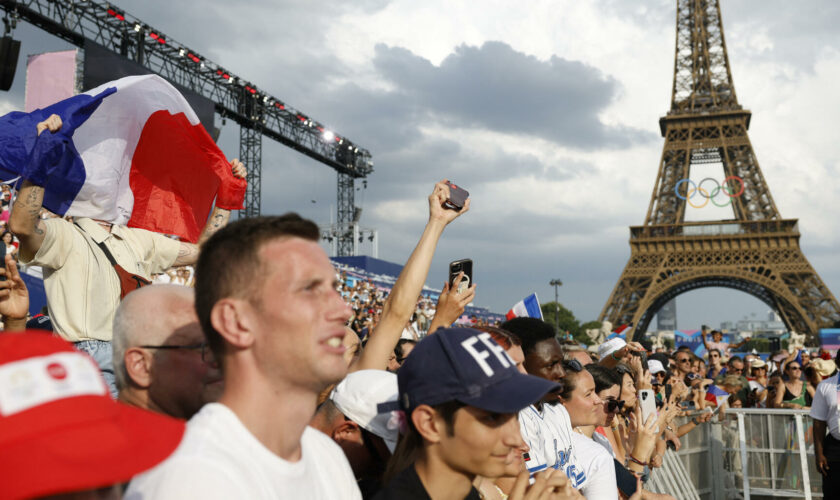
(735,366)
(161,360)
(683,360)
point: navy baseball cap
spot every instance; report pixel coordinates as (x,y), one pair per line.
(468,366)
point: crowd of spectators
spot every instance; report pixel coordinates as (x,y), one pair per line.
(276,377)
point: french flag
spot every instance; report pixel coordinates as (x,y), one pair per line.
(529,307)
(716,395)
(130,152)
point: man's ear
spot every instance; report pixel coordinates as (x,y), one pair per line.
(230,318)
(347,431)
(428,423)
(138,366)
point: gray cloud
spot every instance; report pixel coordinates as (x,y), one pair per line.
(498,88)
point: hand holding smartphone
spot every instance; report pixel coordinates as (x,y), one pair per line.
(647,402)
(457,267)
(457,197)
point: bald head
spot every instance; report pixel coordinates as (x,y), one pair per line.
(147,317)
(169,375)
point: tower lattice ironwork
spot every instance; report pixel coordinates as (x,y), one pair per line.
(757,251)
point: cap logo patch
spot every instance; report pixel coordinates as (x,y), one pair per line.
(482,355)
(56,371)
(36,381)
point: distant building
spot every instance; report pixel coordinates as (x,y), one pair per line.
(773,325)
(666,317)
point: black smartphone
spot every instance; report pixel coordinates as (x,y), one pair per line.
(457,197)
(458,266)
(667,392)
(642,355)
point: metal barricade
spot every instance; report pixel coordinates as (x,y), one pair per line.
(753,453)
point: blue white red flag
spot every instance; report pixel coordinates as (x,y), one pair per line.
(529,307)
(130,152)
(716,395)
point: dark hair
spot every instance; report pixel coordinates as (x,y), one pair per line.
(568,385)
(733,359)
(229,264)
(529,331)
(399,349)
(604,377)
(410,444)
(502,337)
(715,350)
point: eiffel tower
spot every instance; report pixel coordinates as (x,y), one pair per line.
(757,251)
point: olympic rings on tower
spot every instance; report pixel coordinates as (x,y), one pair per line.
(709,195)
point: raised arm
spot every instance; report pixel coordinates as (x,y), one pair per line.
(403,297)
(703,337)
(25,219)
(188,253)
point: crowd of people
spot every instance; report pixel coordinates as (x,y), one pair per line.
(276,377)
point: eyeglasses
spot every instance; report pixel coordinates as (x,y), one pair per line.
(794,368)
(614,405)
(683,360)
(206,355)
(736,370)
(573,365)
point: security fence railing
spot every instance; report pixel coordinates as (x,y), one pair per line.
(754,453)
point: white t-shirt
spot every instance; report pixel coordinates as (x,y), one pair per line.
(824,406)
(603,441)
(549,435)
(219,458)
(598,466)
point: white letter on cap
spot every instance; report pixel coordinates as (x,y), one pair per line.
(479,356)
(496,348)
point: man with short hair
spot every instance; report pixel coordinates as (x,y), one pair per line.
(683,364)
(460,392)
(161,360)
(267,300)
(545,424)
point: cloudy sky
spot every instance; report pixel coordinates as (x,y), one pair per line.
(548,115)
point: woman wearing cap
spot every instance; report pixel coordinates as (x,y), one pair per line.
(758,383)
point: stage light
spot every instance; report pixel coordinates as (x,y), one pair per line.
(182,52)
(328,136)
(116,14)
(137,28)
(279,105)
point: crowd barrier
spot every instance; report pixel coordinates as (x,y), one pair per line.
(753,454)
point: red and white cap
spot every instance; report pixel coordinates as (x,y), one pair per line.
(60,431)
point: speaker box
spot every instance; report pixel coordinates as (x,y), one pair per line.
(9,51)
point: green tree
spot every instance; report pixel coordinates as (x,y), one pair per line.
(556,314)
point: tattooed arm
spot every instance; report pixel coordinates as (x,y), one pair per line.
(188,253)
(25,221)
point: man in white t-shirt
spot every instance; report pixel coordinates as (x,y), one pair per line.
(267,300)
(826,415)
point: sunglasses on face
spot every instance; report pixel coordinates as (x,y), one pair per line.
(683,360)
(794,368)
(573,365)
(614,405)
(736,370)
